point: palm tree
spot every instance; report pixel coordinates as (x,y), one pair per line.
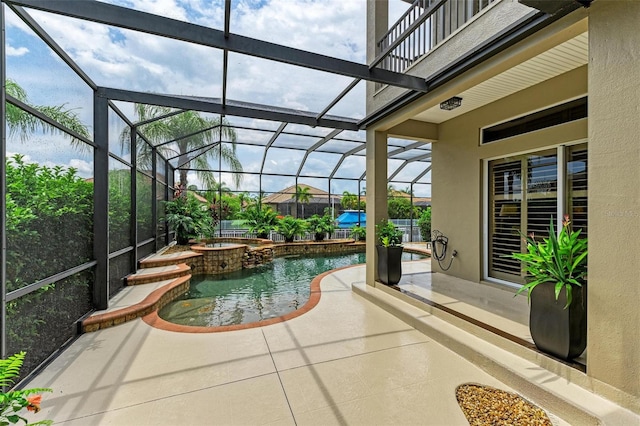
(349,201)
(243,197)
(190,147)
(222,188)
(20,121)
(407,190)
(302,195)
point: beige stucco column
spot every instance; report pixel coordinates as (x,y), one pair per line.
(377,26)
(613,354)
(376,195)
(376,182)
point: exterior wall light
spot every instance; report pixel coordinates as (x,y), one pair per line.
(451,103)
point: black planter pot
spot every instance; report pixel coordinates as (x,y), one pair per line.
(389,264)
(320,236)
(555,330)
(181,240)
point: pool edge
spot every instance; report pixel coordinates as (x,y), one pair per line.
(152,319)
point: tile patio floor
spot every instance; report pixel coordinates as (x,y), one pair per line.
(346,361)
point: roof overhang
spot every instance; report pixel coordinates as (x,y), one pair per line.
(553,7)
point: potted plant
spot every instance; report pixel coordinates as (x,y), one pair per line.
(556,288)
(320,226)
(389,249)
(289,227)
(261,220)
(359,233)
(188,217)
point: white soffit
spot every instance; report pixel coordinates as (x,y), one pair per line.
(565,57)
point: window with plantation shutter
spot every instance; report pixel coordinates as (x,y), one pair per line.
(506,216)
(523,198)
(541,193)
(577,187)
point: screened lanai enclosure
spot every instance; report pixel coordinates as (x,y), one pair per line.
(107,109)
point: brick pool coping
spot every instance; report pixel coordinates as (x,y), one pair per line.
(148,308)
(155,321)
(154,301)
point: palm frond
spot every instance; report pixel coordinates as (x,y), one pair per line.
(10,368)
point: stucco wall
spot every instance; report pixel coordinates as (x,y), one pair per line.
(614,196)
(457,186)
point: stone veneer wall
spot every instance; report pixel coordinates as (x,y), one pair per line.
(257,256)
(218,260)
(315,248)
(239,240)
(196,264)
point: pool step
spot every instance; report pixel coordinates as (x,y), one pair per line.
(158,260)
(161,293)
(161,279)
(158,273)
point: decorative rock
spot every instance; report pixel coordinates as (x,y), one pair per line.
(484,405)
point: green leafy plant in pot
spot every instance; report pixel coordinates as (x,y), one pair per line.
(556,270)
(261,220)
(389,249)
(289,227)
(359,233)
(188,217)
(320,226)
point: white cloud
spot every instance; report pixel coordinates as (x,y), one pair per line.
(19,51)
(25,157)
(84,168)
(125,59)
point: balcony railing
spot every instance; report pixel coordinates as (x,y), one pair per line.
(422,27)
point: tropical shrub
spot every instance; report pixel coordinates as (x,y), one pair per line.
(13,402)
(261,220)
(349,201)
(401,208)
(189,217)
(359,233)
(49,230)
(289,227)
(49,212)
(388,234)
(119,209)
(561,260)
(320,226)
(424,223)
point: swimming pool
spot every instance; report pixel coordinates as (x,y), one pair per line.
(253,295)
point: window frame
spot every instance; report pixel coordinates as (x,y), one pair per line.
(562,201)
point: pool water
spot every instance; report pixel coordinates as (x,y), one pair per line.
(252,295)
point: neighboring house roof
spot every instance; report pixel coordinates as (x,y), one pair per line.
(422,201)
(198,197)
(418,201)
(287,195)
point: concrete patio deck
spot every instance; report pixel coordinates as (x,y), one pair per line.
(347,361)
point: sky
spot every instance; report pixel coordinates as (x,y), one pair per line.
(125,59)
